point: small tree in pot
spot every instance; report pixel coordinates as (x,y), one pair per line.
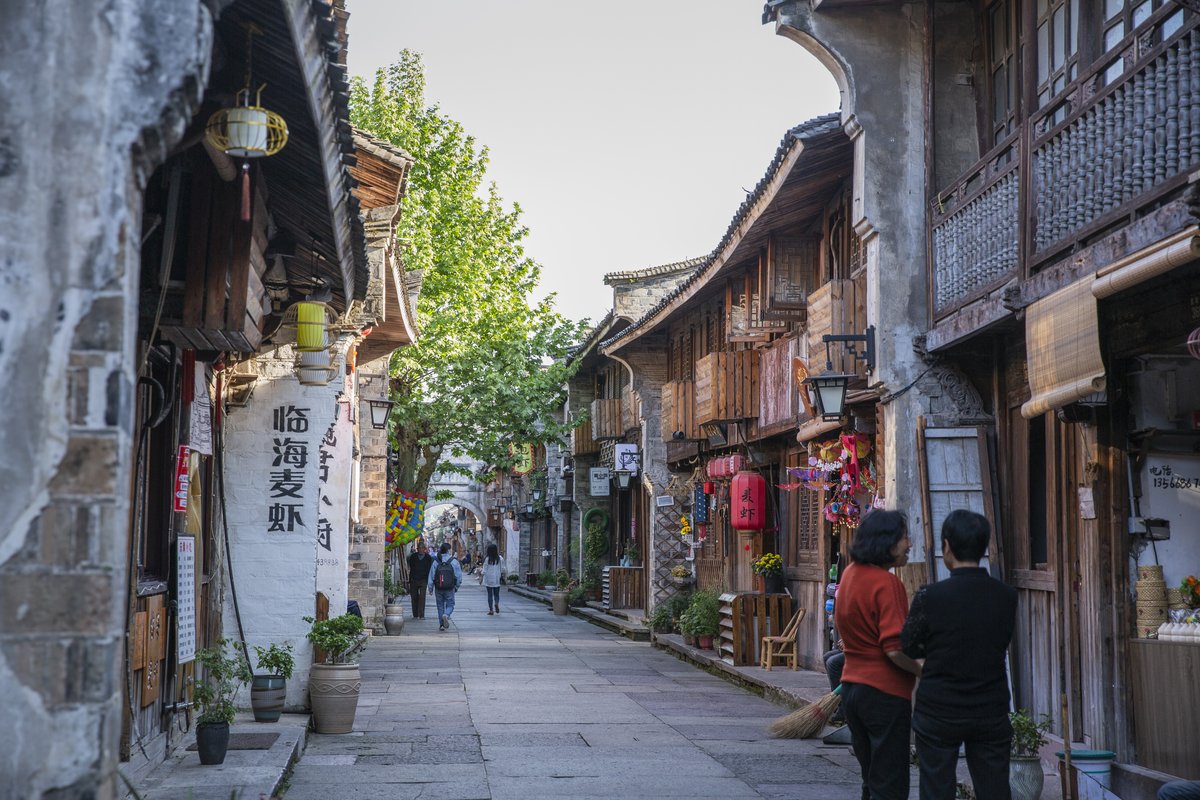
(558,598)
(268,686)
(1025,776)
(702,618)
(333,686)
(222,671)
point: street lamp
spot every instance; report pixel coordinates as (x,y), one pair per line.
(830,394)
(380,411)
(623,477)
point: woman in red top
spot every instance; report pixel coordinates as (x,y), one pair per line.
(877,681)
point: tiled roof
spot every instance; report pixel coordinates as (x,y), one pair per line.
(589,341)
(813,128)
(651,272)
(364,140)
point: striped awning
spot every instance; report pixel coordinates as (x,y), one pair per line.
(1062,347)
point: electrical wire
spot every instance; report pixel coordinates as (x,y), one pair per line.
(887,398)
(219,454)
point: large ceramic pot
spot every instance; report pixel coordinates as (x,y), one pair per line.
(773,584)
(558,601)
(212,740)
(266,697)
(333,692)
(393,618)
(704,641)
(1025,778)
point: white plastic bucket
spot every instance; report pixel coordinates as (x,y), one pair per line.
(1096,764)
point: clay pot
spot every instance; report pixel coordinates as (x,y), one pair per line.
(333,692)
(393,619)
(266,697)
(212,740)
(558,601)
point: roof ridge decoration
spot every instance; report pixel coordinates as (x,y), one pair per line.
(817,126)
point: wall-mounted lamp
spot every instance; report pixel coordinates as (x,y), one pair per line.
(537,493)
(850,340)
(380,411)
(623,478)
(830,394)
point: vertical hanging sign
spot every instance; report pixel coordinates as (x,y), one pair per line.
(181,479)
(185,598)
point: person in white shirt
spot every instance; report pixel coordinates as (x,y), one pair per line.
(493,574)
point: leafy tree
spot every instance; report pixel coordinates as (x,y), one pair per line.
(489,364)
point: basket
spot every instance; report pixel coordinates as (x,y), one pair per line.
(1150,572)
(1175,599)
(1148,613)
(1150,591)
(1147,631)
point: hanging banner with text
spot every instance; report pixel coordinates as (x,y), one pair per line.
(185,598)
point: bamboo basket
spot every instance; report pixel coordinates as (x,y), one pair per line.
(1150,572)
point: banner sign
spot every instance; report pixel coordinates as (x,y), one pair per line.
(185,598)
(181,479)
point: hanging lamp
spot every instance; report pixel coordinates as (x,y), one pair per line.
(247,131)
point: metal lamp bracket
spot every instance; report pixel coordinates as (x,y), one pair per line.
(850,340)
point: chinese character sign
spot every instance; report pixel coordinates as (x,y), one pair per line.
(286,512)
(335,464)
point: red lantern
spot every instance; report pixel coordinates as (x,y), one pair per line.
(710,487)
(748,496)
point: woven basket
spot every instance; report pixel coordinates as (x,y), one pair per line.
(1175,599)
(1152,572)
(1147,614)
(1153,591)
(1147,631)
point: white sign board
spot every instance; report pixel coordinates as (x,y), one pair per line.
(185,589)
(600,486)
(626,458)
(335,458)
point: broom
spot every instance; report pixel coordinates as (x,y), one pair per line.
(806,722)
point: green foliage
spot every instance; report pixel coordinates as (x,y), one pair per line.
(562,580)
(546,578)
(591,577)
(392,588)
(489,363)
(512,578)
(632,551)
(1029,734)
(703,615)
(577,597)
(275,660)
(341,637)
(660,620)
(222,669)
(443,494)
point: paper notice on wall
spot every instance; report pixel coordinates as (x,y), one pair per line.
(1087,505)
(185,598)
(200,427)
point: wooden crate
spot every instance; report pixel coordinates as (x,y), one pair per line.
(727,386)
(745,619)
(607,419)
(623,587)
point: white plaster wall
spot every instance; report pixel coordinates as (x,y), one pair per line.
(275,573)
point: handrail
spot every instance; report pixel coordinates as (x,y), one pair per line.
(942,210)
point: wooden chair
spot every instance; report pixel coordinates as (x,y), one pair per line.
(782,646)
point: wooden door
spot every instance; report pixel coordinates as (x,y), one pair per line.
(805,545)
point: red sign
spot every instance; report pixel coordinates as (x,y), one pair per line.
(181,478)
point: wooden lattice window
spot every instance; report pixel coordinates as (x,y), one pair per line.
(1057,47)
(1003,70)
(787,273)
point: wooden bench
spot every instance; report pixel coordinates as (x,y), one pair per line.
(782,646)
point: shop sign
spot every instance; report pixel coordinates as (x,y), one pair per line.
(181,479)
(185,598)
(600,478)
(627,458)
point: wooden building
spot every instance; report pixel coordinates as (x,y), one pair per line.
(1060,144)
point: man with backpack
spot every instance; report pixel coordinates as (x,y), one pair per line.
(444,580)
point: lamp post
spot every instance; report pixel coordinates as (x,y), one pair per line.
(380,411)
(830,387)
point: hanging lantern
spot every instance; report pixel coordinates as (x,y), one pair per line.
(247,131)
(748,498)
(314,368)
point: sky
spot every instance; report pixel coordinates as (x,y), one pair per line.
(628,131)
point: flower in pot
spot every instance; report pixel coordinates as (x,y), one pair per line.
(268,685)
(770,567)
(333,685)
(222,669)
(1025,776)
(512,579)
(681,575)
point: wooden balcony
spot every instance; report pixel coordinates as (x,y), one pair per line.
(582,442)
(679,411)
(1119,139)
(608,420)
(727,386)
(837,307)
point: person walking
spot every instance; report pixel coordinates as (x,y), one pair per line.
(877,677)
(444,580)
(962,626)
(493,575)
(419,564)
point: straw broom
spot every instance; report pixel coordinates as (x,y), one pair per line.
(806,722)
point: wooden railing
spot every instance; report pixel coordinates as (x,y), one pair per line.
(745,619)
(727,386)
(1121,136)
(624,587)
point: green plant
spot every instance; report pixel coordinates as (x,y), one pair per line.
(768,564)
(660,619)
(632,552)
(223,670)
(275,660)
(577,597)
(512,578)
(703,615)
(562,580)
(1028,733)
(392,588)
(681,571)
(591,577)
(545,578)
(341,637)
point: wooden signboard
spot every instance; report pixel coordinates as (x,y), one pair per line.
(138,640)
(155,630)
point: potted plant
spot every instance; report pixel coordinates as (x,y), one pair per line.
(1025,776)
(558,598)
(268,686)
(333,685)
(631,552)
(512,579)
(681,575)
(393,610)
(222,670)
(595,545)
(702,619)
(545,578)
(769,566)
(577,597)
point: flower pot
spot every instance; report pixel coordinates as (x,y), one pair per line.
(393,619)
(773,584)
(558,601)
(212,740)
(333,692)
(682,582)
(689,640)
(1025,777)
(266,697)
(705,641)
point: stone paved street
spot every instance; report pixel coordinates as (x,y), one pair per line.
(528,705)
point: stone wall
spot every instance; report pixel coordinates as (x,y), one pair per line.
(111,93)
(367,543)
